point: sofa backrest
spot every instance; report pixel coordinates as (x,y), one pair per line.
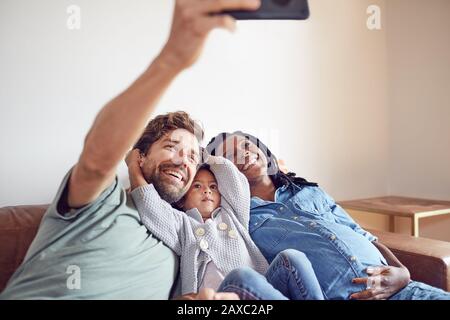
(18,227)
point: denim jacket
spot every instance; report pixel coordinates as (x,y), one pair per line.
(309,220)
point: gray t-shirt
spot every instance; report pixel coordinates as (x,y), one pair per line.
(100,251)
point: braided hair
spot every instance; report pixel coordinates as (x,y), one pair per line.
(278,177)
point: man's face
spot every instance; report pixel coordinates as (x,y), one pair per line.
(247,157)
(171,164)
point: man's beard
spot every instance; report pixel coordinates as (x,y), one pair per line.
(166,191)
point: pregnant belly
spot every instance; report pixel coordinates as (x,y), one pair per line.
(336,261)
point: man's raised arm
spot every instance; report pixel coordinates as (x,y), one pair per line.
(120,123)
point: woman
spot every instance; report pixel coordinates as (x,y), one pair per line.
(288,212)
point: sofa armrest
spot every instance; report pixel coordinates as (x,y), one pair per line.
(427,260)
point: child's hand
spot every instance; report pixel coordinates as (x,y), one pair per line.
(137,178)
(209,294)
(132,159)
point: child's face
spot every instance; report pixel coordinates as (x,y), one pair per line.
(203,194)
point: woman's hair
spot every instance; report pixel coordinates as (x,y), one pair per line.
(278,177)
(180,203)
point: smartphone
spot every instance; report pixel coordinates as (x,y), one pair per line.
(275,10)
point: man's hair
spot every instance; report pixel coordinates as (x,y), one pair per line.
(163,124)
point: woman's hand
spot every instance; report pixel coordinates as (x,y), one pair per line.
(282,166)
(192,21)
(136,176)
(382,283)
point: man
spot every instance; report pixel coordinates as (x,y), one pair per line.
(91,243)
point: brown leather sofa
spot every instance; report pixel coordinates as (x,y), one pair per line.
(428,260)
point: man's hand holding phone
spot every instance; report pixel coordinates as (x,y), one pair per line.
(193,20)
(276,10)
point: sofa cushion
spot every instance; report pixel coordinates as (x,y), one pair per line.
(18,227)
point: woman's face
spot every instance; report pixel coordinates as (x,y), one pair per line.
(247,157)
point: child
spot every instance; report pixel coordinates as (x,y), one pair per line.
(211,236)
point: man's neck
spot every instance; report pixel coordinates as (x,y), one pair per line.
(263,188)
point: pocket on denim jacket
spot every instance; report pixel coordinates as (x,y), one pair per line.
(268,236)
(313,200)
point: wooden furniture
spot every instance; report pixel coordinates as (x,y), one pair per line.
(393,206)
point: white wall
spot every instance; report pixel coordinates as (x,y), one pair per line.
(320,84)
(419,73)
(418,50)
(419,98)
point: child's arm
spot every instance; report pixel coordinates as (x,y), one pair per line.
(157,215)
(233,187)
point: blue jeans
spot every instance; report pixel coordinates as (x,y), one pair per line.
(290,276)
(420,291)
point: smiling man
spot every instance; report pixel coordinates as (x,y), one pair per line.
(92,225)
(170,153)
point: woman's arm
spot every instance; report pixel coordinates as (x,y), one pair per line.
(388,255)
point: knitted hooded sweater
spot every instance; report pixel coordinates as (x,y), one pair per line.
(224,239)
